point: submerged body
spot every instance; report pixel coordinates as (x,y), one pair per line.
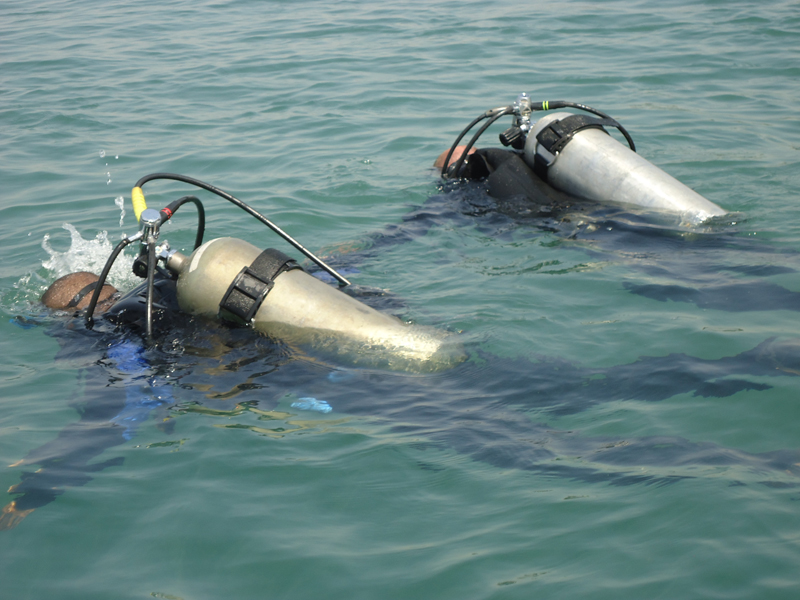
(234,374)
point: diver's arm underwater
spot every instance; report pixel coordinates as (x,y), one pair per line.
(107,419)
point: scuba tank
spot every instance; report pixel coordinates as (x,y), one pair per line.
(234,281)
(575,154)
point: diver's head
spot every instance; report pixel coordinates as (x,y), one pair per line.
(74,291)
(457,152)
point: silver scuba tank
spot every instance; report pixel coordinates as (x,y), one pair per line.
(594,166)
(297,308)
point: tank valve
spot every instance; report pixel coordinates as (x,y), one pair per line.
(515,135)
(151,222)
(522,112)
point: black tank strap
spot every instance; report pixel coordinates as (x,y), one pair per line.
(558,133)
(251,286)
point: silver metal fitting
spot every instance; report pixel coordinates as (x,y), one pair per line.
(174,260)
(522,112)
(151,222)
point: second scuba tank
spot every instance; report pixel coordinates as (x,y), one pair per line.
(232,279)
(588,163)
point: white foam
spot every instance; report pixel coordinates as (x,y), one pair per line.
(89,255)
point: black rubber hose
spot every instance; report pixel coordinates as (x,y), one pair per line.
(102,280)
(201,216)
(475,121)
(248,210)
(460,163)
(458,139)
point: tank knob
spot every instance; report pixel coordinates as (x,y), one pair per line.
(514,137)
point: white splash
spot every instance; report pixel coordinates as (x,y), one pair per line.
(89,255)
(120,202)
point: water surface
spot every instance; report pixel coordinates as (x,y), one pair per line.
(625,426)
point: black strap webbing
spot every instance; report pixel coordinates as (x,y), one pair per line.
(558,133)
(251,286)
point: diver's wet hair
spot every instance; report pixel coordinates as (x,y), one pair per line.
(74,291)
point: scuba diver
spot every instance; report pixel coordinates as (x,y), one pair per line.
(224,280)
(132,372)
(564,159)
(636,214)
(126,381)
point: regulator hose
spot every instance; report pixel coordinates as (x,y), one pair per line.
(166,214)
(502,110)
(460,163)
(172,208)
(137,197)
(104,275)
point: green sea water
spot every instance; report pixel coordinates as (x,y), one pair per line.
(626,423)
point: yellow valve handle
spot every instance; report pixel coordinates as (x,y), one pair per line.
(137,199)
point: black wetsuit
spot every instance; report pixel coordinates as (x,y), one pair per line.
(124,383)
(509,178)
(519,193)
(130,310)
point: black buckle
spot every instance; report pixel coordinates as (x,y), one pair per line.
(251,286)
(244,297)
